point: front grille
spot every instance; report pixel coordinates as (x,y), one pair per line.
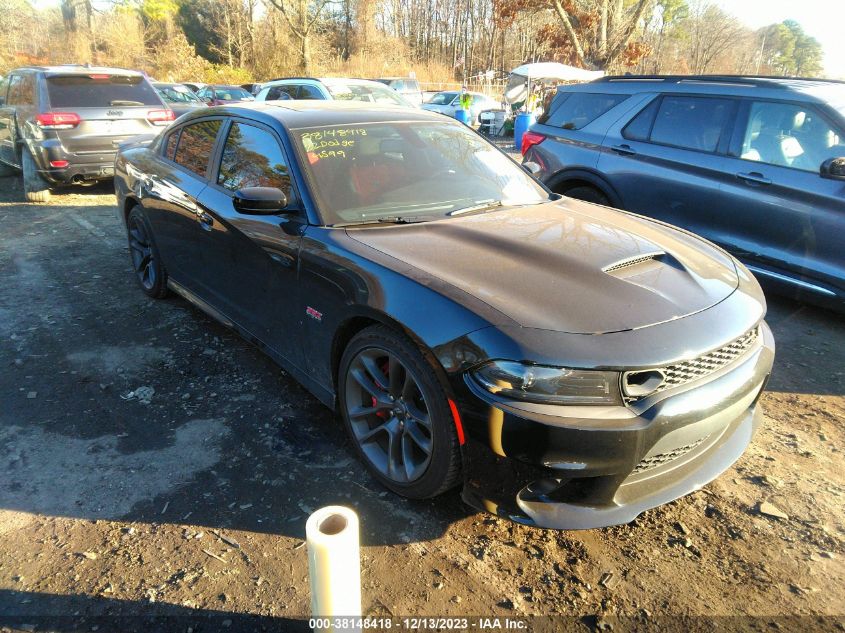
(653,461)
(689,370)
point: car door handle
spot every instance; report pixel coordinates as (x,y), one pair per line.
(754,177)
(206,221)
(624,149)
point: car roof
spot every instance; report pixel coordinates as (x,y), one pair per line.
(813,89)
(225,86)
(293,114)
(74,69)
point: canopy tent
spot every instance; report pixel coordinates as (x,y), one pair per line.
(543,73)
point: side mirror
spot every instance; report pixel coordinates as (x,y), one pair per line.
(531,167)
(833,168)
(259,201)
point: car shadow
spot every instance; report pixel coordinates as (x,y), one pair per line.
(27,611)
(810,347)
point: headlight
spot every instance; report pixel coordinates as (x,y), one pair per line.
(549,385)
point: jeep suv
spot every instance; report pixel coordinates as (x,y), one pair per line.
(755,164)
(62,124)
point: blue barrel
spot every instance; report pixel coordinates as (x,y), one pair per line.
(462,115)
(520,127)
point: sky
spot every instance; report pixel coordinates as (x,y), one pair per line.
(823,19)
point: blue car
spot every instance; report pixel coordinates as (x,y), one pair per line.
(754,164)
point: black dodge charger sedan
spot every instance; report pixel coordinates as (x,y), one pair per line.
(570,365)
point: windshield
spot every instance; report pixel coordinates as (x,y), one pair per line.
(415,171)
(443,98)
(177,94)
(368,93)
(232,94)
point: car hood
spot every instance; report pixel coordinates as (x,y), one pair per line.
(566,265)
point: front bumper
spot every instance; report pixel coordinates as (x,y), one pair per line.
(586,467)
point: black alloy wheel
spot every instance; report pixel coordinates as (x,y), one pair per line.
(146,264)
(397,414)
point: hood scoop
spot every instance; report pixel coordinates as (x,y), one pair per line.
(628,262)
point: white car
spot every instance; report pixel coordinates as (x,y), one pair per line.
(331,88)
(449,101)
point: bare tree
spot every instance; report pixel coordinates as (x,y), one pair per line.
(302,16)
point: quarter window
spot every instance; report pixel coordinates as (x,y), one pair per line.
(789,135)
(195,146)
(578,109)
(309,92)
(690,122)
(252,158)
(170,146)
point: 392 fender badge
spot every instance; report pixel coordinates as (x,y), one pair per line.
(314,314)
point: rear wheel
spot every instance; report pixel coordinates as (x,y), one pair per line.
(149,271)
(35,187)
(587,194)
(397,414)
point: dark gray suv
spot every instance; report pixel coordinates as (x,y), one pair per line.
(755,164)
(62,124)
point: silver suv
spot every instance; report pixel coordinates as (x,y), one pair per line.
(62,124)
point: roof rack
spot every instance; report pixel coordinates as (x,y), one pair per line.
(752,80)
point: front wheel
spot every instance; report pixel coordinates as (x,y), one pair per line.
(35,187)
(397,414)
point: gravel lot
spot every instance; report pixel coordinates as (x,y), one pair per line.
(190,501)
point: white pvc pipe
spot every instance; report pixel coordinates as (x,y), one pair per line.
(334,564)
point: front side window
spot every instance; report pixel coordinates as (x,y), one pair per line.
(195,146)
(252,158)
(690,122)
(577,109)
(789,135)
(417,170)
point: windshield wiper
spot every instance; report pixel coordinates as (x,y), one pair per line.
(396,219)
(121,102)
(400,219)
(487,204)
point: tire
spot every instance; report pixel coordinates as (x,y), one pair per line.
(35,187)
(587,194)
(407,414)
(147,267)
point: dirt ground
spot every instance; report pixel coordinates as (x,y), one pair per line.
(189,503)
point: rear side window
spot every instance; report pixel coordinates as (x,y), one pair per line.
(278,92)
(100,91)
(578,109)
(195,146)
(690,122)
(252,158)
